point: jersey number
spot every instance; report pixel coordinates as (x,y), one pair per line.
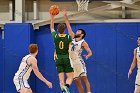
(61,45)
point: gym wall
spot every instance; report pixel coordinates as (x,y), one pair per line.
(112,45)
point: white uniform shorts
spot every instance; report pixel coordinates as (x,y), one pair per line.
(79,68)
(20,83)
(137,83)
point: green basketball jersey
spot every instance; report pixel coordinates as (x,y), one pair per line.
(61,42)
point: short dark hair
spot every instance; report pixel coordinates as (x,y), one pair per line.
(138,35)
(83,32)
(33,48)
(61,28)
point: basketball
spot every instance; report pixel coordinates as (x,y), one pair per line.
(54,10)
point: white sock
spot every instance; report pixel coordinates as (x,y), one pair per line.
(88,92)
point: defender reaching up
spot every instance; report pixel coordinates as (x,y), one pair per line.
(76,48)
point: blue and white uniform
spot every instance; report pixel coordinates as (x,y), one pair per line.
(22,75)
(137,81)
(76,58)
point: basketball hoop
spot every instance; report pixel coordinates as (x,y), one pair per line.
(82,5)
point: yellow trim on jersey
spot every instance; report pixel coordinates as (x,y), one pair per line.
(62,35)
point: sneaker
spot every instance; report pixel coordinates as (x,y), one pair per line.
(65,89)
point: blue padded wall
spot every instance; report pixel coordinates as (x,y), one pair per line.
(112,45)
(45,60)
(98,65)
(17,39)
(126,42)
(1,63)
(104,64)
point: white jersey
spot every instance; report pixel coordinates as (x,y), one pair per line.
(137,81)
(76,59)
(24,69)
(76,49)
(138,58)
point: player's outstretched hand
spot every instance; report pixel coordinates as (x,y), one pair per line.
(86,57)
(52,16)
(49,84)
(64,12)
(129,73)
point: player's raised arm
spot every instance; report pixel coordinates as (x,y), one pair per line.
(86,47)
(33,63)
(54,10)
(68,24)
(52,23)
(134,63)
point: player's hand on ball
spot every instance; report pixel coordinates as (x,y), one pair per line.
(54,10)
(49,84)
(52,16)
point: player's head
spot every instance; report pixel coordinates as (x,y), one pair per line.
(33,49)
(61,28)
(80,33)
(138,40)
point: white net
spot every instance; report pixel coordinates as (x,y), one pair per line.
(82,5)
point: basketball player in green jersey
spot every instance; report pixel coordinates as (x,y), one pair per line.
(62,42)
